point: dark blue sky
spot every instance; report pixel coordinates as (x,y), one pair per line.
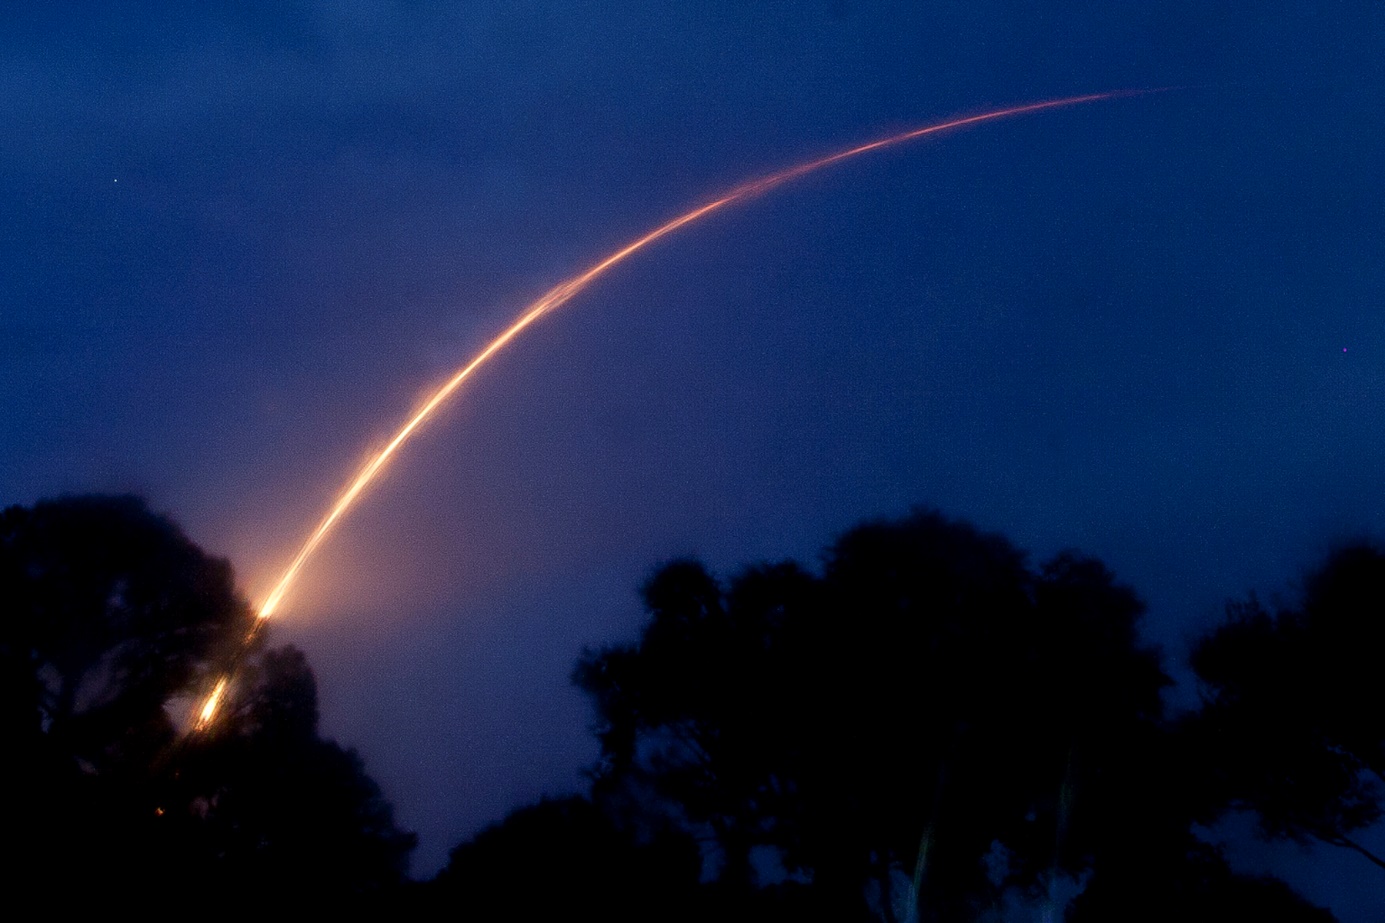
(239,246)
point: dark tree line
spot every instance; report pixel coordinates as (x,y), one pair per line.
(926,728)
(109,615)
(1292,727)
(932,729)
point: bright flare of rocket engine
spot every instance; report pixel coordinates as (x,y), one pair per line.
(564,291)
(208,712)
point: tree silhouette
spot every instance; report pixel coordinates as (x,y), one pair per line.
(929,729)
(110,611)
(276,809)
(566,859)
(111,616)
(1291,724)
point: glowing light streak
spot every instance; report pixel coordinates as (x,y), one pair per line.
(208,713)
(564,291)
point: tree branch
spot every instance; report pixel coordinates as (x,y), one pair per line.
(1347,843)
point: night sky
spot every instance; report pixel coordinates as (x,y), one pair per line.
(240,246)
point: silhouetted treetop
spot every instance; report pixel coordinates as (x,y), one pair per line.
(930,728)
(111,611)
(1292,724)
(565,859)
(111,623)
(282,810)
(926,700)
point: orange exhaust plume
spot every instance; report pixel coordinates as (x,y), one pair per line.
(566,290)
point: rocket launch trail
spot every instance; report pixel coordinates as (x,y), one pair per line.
(563,292)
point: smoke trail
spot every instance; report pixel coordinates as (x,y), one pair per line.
(564,291)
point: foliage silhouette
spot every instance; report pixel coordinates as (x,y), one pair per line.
(280,810)
(566,859)
(925,730)
(1291,725)
(111,615)
(928,729)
